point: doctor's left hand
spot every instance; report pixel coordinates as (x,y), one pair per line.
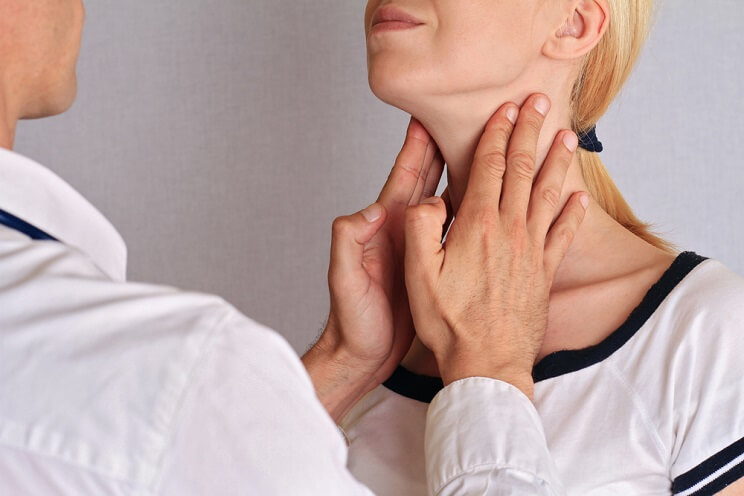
(370,327)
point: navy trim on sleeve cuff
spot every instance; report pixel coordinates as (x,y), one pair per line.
(710,466)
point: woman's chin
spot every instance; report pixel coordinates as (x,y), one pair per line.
(395,92)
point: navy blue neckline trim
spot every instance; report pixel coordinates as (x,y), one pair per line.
(424,388)
(13,222)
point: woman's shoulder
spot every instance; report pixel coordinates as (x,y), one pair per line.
(701,342)
(691,324)
(711,294)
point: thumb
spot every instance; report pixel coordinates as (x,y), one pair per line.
(423,227)
(351,233)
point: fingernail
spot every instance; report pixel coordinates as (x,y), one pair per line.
(542,105)
(512,113)
(571,141)
(584,199)
(373,212)
(431,201)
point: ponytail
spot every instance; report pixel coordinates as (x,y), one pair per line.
(604,72)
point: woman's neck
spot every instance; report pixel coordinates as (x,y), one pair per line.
(602,250)
(7,124)
(458,132)
(600,241)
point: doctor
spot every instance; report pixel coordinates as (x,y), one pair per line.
(112,387)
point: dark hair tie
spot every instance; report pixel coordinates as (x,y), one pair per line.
(589,141)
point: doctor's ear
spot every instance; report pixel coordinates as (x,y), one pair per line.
(582,28)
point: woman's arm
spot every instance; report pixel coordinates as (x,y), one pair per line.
(735,489)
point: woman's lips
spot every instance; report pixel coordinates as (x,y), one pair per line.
(391,18)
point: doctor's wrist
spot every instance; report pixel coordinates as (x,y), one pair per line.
(338,379)
(461,366)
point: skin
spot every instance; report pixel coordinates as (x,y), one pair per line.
(39,45)
(480,299)
(452,73)
(364,342)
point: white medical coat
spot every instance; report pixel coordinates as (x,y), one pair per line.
(114,387)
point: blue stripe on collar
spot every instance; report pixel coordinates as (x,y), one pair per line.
(13,222)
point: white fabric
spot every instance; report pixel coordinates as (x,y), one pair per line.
(108,387)
(666,402)
(31,191)
(504,467)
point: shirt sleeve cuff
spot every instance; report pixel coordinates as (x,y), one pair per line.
(488,429)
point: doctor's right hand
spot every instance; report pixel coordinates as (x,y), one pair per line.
(370,327)
(480,299)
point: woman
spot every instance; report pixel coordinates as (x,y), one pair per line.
(637,382)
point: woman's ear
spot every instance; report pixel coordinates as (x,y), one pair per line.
(581,30)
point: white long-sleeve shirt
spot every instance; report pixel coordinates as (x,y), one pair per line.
(113,387)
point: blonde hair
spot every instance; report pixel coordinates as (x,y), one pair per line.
(603,74)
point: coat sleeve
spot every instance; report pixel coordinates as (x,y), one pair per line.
(485,437)
(252,424)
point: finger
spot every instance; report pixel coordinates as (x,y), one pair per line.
(489,163)
(433,177)
(350,234)
(398,190)
(429,161)
(564,230)
(423,228)
(547,192)
(521,158)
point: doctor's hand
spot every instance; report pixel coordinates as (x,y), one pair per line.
(370,327)
(480,300)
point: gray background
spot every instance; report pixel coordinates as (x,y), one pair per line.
(222,138)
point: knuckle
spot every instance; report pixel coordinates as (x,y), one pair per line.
(495,162)
(518,245)
(416,215)
(566,235)
(341,227)
(522,163)
(403,171)
(337,277)
(486,220)
(518,234)
(551,196)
